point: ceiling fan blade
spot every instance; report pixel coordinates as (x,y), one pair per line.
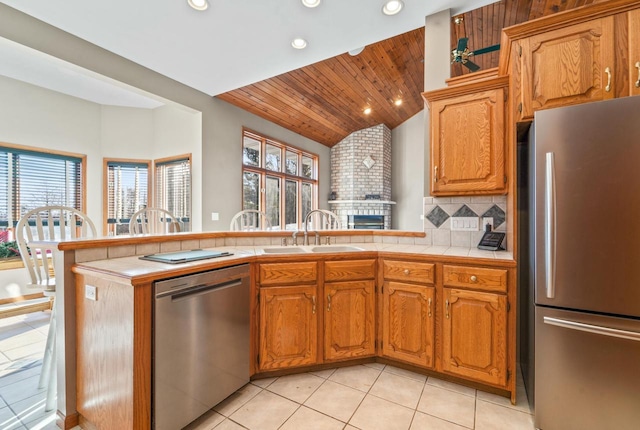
(462,44)
(471,65)
(487,49)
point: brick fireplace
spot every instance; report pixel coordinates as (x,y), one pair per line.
(361,175)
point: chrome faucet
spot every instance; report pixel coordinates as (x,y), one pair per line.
(306,227)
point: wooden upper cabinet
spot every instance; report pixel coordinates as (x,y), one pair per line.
(408,315)
(567,66)
(349,319)
(474,340)
(634,52)
(288,327)
(468,138)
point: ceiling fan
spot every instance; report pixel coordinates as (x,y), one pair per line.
(461,54)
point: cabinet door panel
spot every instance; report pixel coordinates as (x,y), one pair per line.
(475,335)
(567,66)
(634,52)
(349,319)
(288,327)
(467,148)
(408,323)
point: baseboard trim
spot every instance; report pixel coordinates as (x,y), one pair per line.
(67,422)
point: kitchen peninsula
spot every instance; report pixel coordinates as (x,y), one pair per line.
(363,281)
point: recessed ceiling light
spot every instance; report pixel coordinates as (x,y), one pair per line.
(392,7)
(356,51)
(311,3)
(299,43)
(198,4)
(398,102)
(367,111)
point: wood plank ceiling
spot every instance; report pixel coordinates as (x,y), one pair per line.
(325,101)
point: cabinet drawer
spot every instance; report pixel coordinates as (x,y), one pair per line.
(475,277)
(288,273)
(410,271)
(349,270)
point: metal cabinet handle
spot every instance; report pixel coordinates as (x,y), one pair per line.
(429,304)
(447,308)
(638,81)
(550,223)
(328,302)
(313,300)
(608,72)
(474,278)
(590,328)
(406,271)
(435,173)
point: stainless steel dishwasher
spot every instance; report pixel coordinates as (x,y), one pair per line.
(200,343)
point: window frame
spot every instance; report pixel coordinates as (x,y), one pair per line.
(38,151)
(105,185)
(282,176)
(171,160)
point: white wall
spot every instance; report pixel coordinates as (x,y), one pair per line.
(407,167)
(177,131)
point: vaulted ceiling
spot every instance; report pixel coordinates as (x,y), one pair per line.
(325,101)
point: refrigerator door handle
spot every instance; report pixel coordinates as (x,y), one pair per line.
(590,328)
(550,225)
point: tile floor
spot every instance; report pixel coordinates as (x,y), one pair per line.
(365,397)
(22,342)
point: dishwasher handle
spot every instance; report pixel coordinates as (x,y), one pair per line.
(197,290)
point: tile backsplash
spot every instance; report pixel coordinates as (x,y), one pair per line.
(438,212)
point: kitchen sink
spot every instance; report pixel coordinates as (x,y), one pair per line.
(284,250)
(340,248)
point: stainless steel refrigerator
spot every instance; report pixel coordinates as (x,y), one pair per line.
(580,329)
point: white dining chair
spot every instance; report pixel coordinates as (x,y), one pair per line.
(250,220)
(48,223)
(153,221)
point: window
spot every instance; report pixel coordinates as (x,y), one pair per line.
(279,180)
(173,188)
(30,178)
(126,192)
(131,185)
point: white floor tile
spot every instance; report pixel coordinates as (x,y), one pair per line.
(31,409)
(335,400)
(308,419)
(324,373)
(30,350)
(451,386)
(490,416)
(228,425)
(206,422)
(427,422)
(263,383)
(448,405)
(380,414)
(359,377)
(232,403)
(522,403)
(296,387)
(266,411)
(405,373)
(398,389)
(9,420)
(21,390)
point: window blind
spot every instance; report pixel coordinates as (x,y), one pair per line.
(173,189)
(29,179)
(127,192)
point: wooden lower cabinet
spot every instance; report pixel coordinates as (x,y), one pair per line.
(408,314)
(349,319)
(288,327)
(474,338)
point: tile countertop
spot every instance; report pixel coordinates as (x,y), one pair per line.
(144,270)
